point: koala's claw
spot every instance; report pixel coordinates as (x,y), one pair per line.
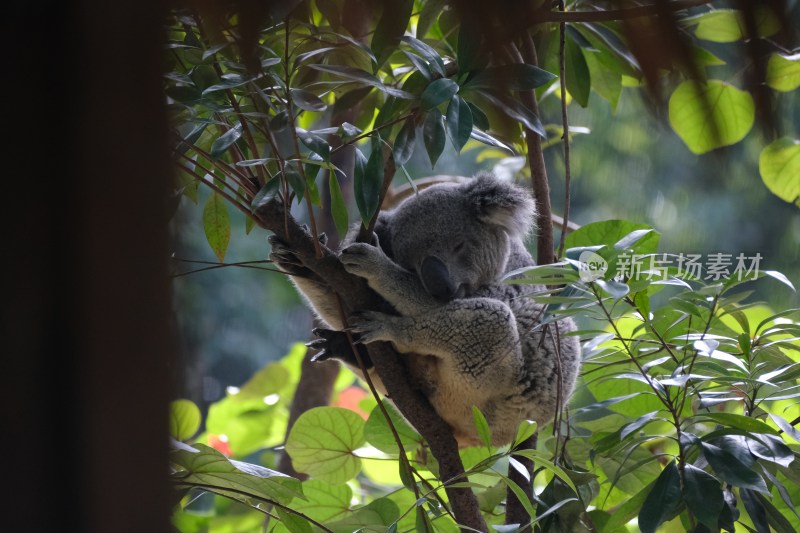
(370,325)
(361,259)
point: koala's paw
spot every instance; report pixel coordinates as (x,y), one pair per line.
(361,259)
(370,325)
(285,258)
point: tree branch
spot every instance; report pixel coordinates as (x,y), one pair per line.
(537,16)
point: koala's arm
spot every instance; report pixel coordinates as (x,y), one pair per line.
(401,288)
(315,291)
(476,335)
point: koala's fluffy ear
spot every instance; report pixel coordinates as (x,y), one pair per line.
(502,204)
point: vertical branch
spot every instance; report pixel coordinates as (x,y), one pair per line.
(541,187)
(562,29)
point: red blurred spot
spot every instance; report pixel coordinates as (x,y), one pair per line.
(350,397)
(220,443)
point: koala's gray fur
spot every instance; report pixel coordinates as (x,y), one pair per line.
(471,339)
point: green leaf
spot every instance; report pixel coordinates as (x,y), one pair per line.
(779,166)
(459,122)
(376,516)
(783,72)
(482,427)
(307,101)
(711,115)
(315,143)
(293,522)
(738,421)
(216,224)
(377,431)
(436,92)
(434,135)
(391,27)
(732,470)
(404,142)
(431,56)
(786,427)
(515,77)
(184,419)
(225,141)
(338,206)
(479,118)
(703,495)
(207,468)
(367,180)
(362,76)
(728,25)
(663,502)
(576,73)
(322,442)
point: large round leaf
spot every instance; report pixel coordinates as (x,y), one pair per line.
(322,443)
(711,115)
(779,166)
(184,419)
(783,72)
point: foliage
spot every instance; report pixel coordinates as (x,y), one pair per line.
(686,414)
(688,389)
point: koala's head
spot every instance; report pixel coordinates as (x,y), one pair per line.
(457,237)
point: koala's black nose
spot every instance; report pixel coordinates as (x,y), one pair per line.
(436,279)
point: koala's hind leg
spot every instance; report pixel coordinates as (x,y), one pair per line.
(473,336)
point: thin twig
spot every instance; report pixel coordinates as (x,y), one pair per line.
(565,125)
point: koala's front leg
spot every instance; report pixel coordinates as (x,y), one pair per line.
(401,288)
(475,335)
(314,289)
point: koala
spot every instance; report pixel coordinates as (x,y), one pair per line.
(470,338)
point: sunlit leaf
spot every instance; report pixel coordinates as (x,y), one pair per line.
(482,427)
(711,115)
(377,431)
(184,419)
(783,72)
(217,225)
(779,166)
(728,25)
(205,467)
(322,441)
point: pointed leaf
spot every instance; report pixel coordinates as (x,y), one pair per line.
(434,135)
(307,101)
(514,77)
(482,427)
(577,77)
(732,470)
(216,224)
(377,431)
(225,141)
(404,143)
(338,206)
(711,115)
(315,143)
(663,502)
(391,27)
(459,122)
(703,495)
(322,443)
(436,92)
(368,178)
